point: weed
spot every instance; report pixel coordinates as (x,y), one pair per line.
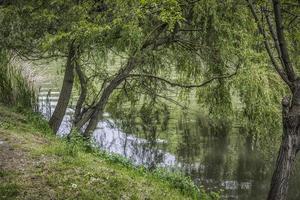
(8,191)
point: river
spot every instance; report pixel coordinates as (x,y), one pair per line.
(225,160)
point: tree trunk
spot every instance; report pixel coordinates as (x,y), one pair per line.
(284,165)
(100,106)
(66,90)
(98,112)
(82,96)
(85,115)
(288,149)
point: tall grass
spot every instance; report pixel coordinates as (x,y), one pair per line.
(15,88)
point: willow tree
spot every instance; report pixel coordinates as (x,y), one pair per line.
(231,28)
(33,32)
(220,35)
(74,32)
(77,29)
(17,40)
(280,32)
(43,30)
(151,36)
(135,35)
(190,45)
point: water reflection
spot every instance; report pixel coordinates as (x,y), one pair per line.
(140,151)
(228,162)
(217,157)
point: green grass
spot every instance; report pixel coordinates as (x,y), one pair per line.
(9,191)
(48,167)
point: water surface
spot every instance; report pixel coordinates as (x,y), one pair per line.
(220,159)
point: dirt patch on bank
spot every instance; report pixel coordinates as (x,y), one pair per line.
(21,174)
(11,158)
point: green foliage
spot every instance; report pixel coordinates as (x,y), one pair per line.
(116,159)
(76,143)
(8,191)
(205,39)
(176,179)
(169,10)
(260,111)
(15,89)
(78,165)
(75,147)
(176,43)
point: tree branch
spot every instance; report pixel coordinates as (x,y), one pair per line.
(83,91)
(274,36)
(188,86)
(152,92)
(282,42)
(279,70)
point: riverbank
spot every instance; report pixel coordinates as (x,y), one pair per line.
(37,165)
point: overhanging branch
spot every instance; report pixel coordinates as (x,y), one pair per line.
(274,36)
(282,42)
(187,86)
(277,67)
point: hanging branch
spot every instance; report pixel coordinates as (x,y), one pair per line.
(150,92)
(83,92)
(188,86)
(282,43)
(274,36)
(277,67)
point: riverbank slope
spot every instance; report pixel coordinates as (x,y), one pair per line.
(34,164)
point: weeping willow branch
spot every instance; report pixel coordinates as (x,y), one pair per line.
(151,92)
(282,42)
(274,36)
(188,86)
(169,99)
(282,73)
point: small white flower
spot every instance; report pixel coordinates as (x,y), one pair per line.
(74,185)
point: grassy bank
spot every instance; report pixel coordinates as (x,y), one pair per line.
(37,165)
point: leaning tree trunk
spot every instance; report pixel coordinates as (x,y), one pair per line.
(100,106)
(82,96)
(98,112)
(288,149)
(66,90)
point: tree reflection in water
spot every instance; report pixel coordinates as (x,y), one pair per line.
(218,157)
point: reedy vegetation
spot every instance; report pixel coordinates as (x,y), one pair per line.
(15,89)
